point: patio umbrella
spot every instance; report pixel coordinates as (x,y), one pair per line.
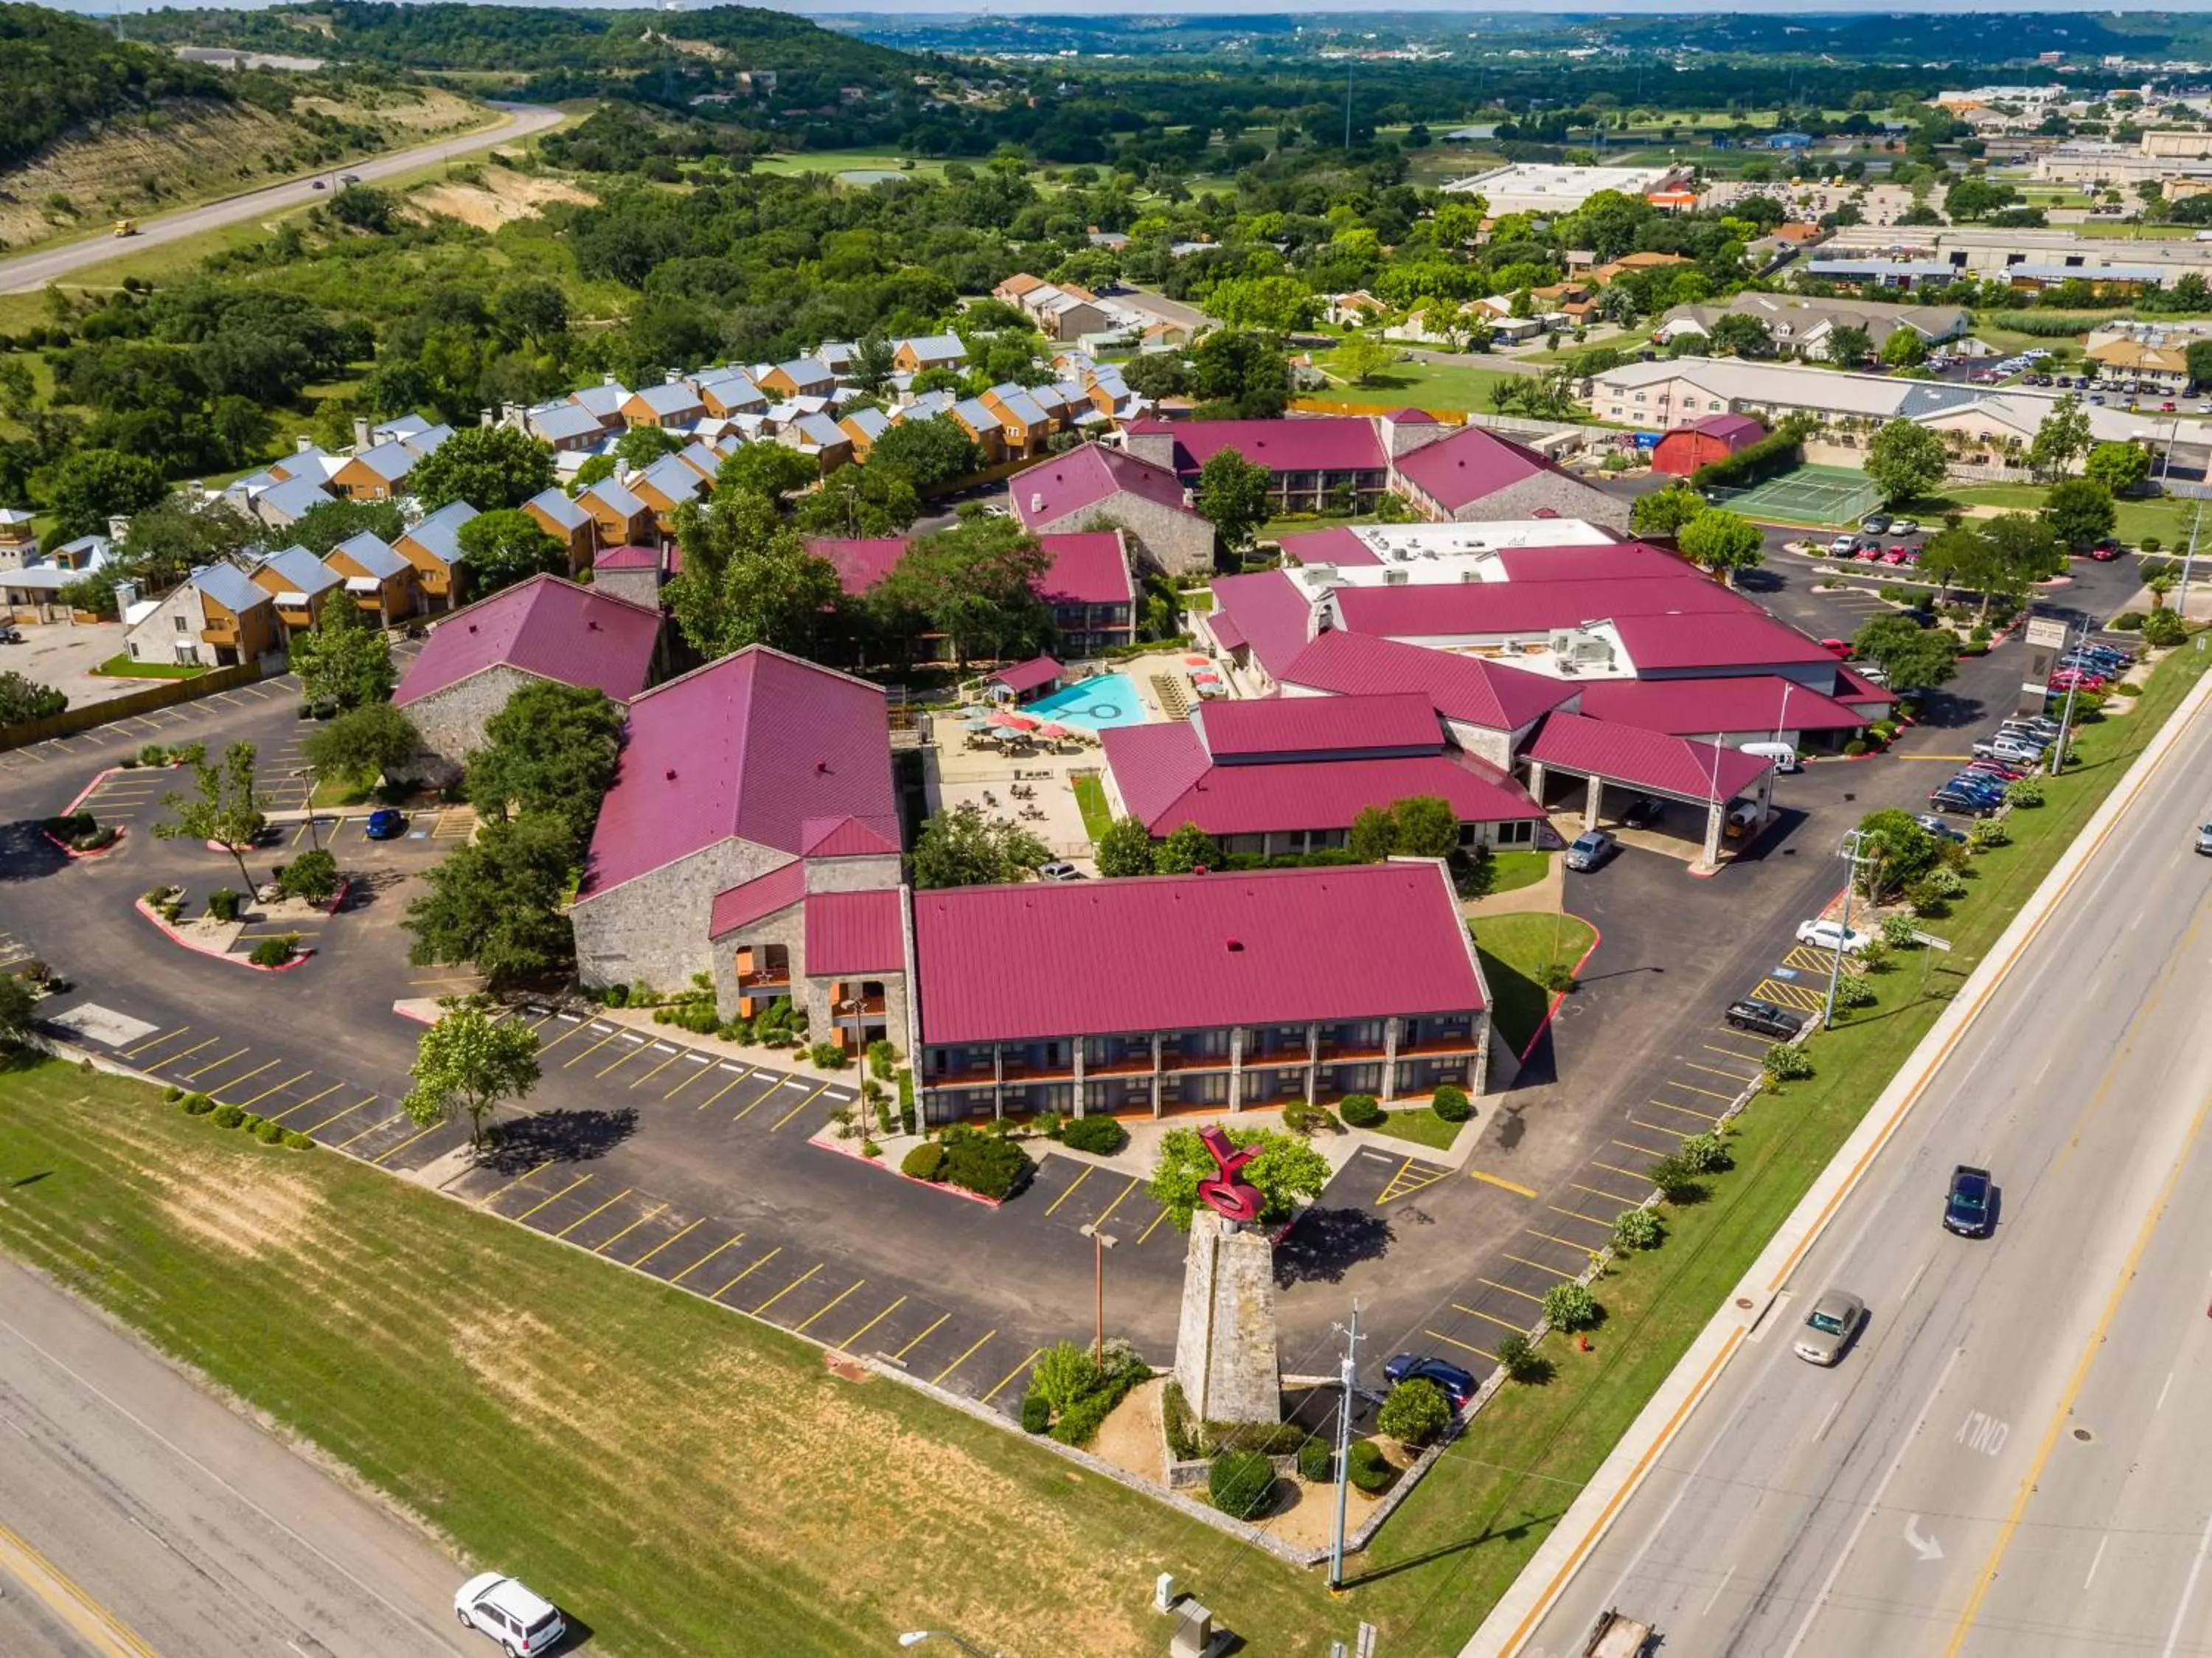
(1014,722)
(1195,662)
(1052,731)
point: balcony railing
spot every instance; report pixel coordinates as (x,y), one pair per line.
(776,978)
(1441,1047)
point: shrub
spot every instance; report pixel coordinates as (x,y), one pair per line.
(1299,1118)
(1368,1469)
(2127,688)
(1925,900)
(1980,634)
(1451,1103)
(2150,544)
(1947,884)
(1785,1062)
(224,904)
(2128,621)
(828,1055)
(274,951)
(2024,791)
(1181,1427)
(1853,992)
(1079,1424)
(1360,1110)
(298,1142)
(153,754)
(1316,1461)
(1415,1413)
(985,1164)
(1239,1482)
(197,1105)
(173,1094)
(1102,1137)
(1990,833)
(93,840)
(1518,1358)
(1037,1414)
(1047,1124)
(311,876)
(1570,1307)
(1706,1153)
(2162,629)
(883,1058)
(616,995)
(925,1162)
(1874,957)
(1637,1228)
(1896,932)
(1558,977)
(1676,1180)
(226,1116)
(1855,748)
(268,1133)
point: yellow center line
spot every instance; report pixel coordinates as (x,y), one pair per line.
(1538,1267)
(601,1209)
(855,1284)
(658,1069)
(669,1239)
(100,1629)
(377,1160)
(1464,1346)
(1117,1204)
(561,1193)
(643,1046)
(348,1112)
(728,1086)
(735,1238)
(750,1270)
(872,1323)
(899,1356)
(278,1116)
(496,1196)
(279,1088)
(1089,1169)
(1009,1376)
(802,1105)
(593,1049)
(787,1289)
(152,1043)
(217,1065)
(382,1122)
(1500,1180)
(631,1228)
(1153,1227)
(1477,1313)
(702,1069)
(939,1377)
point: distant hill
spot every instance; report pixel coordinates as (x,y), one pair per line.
(59,72)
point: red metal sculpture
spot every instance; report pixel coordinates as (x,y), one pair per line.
(1225,1195)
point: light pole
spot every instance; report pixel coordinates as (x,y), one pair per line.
(1854,840)
(1343,1450)
(2066,716)
(914,1637)
(2181,596)
(1100,1243)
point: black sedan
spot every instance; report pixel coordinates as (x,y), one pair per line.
(1750,1013)
(1966,1207)
(1453,1382)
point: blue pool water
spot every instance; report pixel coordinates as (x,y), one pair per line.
(1095,705)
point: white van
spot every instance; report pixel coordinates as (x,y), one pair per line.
(1783,756)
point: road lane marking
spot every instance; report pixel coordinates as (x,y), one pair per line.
(601,1209)
(899,1357)
(738,1238)
(938,1380)
(578,1058)
(754,1268)
(848,1342)
(1564,1243)
(72,1607)
(1629,1145)
(2188,1592)
(620,1060)
(1499,1180)
(1828,1421)
(2096,1560)
(562,1192)
(1089,1169)
(1718,1591)
(1010,1375)
(670,1238)
(1153,1227)
(631,1228)
(1610,1196)
(1702,1116)
(1690,1088)
(1711,1070)
(705,1070)
(1576,1215)
(787,1289)
(855,1284)
(2161,1405)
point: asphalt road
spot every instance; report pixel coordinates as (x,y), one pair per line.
(2010,1458)
(34,270)
(138,1516)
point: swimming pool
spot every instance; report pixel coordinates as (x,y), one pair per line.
(1095,705)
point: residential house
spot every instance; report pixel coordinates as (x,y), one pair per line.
(619,516)
(983,423)
(279,503)
(433,545)
(1087,585)
(1473,475)
(672,405)
(666,484)
(380,580)
(604,402)
(863,427)
(729,392)
(1095,486)
(802,377)
(1355,309)
(380,471)
(1015,288)
(562,519)
(1802,324)
(1024,425)
(216,618)
(821,437)
(2163,368)
(300,583)
(565,425)
(1327,464)
(927,351)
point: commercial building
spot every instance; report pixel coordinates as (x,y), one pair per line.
(1087,587)
(1802,324)
(1540,187)
(1925,256)
(1096,486)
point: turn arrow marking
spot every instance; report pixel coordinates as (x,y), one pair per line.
(1926,1547)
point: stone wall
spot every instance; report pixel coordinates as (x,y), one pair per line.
(1179,542)
(1568,498)
(451,721)
(653,929)
(1225,1358)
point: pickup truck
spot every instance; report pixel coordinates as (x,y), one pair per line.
(1617,1636)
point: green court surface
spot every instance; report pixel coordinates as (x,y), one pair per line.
(1808,495)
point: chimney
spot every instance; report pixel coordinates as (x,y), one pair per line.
(118,528)
(608,380)
(303,443)
(483,416)
(360,437)
(197,489)
(670,377)
(1036,501)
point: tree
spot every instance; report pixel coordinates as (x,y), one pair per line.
(23,699)
(1284,1169)
(873,363)
(963,848)
(1063,1376)
(860,501)
(1849,345)
(1277,304)
(487,466)
(228,811)
(2062,438)
(977,584)
(1245,371)
(1373,836)
(322,528)
(1125,848)
(2120,467)
(1424,826)
(747,577)
(497,902)
(1415,1413)
(18,1010)
(1905,458)
(1665,512)
(552,751)
(930,452)
(1734,334)
(1570,1307)
(362,743)
(2080,510)
(1187,851)
(2200,358)
(640,446)
(1232,493)
(1904,348)
(346,660)
(468,1062)
(93,485)
(166,540)
(507,545)
(1361,357)
(1909,657)
(1897,851)
(1722,542)
(1162,375)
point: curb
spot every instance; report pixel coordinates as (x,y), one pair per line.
(300,958)
(68,852)
(1559,997)
(880,1165)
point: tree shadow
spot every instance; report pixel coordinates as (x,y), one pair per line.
(26,854)
(1327,1243)
(365,886)
(1513,1534)
(567,1137)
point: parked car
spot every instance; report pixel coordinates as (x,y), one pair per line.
(1826,934)
(1935,827)
(2004,749)
(1899,554)
(1455,1383)
(1837,648)
(1059,869)
(1870,551)
(320,184)
(1973,783)
(2105,549)
(1750,1014)
(1589,850)
(2004,770)
(1966,1206)
(1875,523)
(2075,679)
(1642,813)
(1960,803)
(1905,526)
(523,1623)
(2204,837)
(1842,546)
(385,823)
(1829,1327)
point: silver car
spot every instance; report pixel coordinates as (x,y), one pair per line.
(1829,1327)
(2204,837)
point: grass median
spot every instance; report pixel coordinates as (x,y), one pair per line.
(1520,954)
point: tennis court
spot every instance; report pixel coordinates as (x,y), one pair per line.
(1810,495)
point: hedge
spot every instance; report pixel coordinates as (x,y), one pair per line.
(1450,1104)
(1239,1483)
(984,1163)
(1360,1110)
(925,1162)
(1368,1469)
(1100,1136)
(1781,449)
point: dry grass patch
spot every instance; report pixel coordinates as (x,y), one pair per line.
(503,196)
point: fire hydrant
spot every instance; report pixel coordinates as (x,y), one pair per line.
(1581,1343)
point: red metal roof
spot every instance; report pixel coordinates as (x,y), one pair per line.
(1750,702)
(1275,947)
(1464,688)
(842,838)
(1854,687)
(628,558)
(546,626)
(861,562)
(1165,780)
(1614,561)
(1271,728)
(1028,675)
(1645,759)
(752,900)
(1269,611)
(1087,478)
(1743,638)
(751,745)
(1340,544)
(1474,609)
(1089,567)
(850,933)
(1326,443)
(1457,471)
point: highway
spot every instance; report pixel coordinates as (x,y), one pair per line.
(34,270)
(2016,1457)
(139,1515)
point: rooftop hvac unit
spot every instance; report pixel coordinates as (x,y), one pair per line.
(1562,641)
(1589,648)
(1036,501)
(1394,578)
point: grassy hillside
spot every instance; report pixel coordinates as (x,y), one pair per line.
(59,72)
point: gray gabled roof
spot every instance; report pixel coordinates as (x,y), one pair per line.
(556,506)
(291,498)
(604,401)
(670,398)
(557,421)
(674,480)
(373,554)
(227,585)
(614,497)
(440,534)
(389,462)
(300,570)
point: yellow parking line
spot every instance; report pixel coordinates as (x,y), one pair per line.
(1500,1180)
(348,1112)
(178,1058)
(494,1196)
(581,1027)
(593,1049)
(1692,1087)
(1477,1313)
(377,1162)
(660,1068)
(555,1197)
(856,1283)
(1089,1169)
(919,1339)
(754,1268)
(787,1289)
(279,1116)
(1153,1227)
(1733,1053)
(704,1068)
(1117,1204)
(1539,1267)
(961,1360)
(1631,1145)
(802,1105)
(1632,1174)
(1576,1215)
(217,1065)
(737,1238)
(1464,1346)
(728,1086)
(1600,1191)
(601,1209)
(873,1322)
(279,1088)
(1703,1116)
(1553,1237)
(155,1042)
(1009,1376)
(382,1122)
(670,1238)
(631,1228)
(1714,1070)
(643,1046)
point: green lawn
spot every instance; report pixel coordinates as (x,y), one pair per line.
(120,666)
(1276,528)
(1471,1526)
(1517,951)
(1090,800)
(1511,871)
(2167,516)
(1426,385)
(341,791)
(1421,1126)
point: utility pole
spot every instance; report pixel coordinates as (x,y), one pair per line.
(2181,596)
(1343,1447)
(2066,716)
(1852,850)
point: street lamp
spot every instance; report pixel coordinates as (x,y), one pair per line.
(1100,1243)
(1853,851)
(915,1637)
